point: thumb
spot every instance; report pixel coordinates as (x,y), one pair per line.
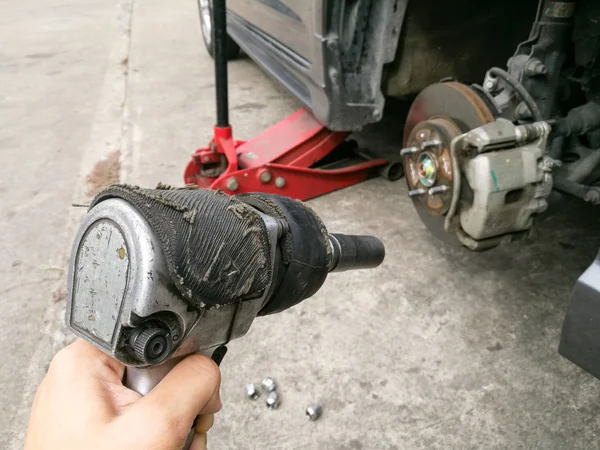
(191,388)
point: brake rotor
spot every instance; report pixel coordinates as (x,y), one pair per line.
(439,113)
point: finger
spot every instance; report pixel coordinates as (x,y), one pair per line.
(204,423)
(199,442)
(191,388)
(121,397)
(81,360)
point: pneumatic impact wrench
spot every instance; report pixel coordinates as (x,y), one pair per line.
(158,274)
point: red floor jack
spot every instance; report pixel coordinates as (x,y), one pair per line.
(298,157)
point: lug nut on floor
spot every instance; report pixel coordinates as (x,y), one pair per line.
(273,400)
(269,384)
(313,412)
(252,391)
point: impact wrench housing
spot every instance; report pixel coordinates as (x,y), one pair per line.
(158,274)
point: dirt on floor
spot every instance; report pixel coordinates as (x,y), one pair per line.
(104,173)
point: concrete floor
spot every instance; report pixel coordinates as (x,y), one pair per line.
(439,348)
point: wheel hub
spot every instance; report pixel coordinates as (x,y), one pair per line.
(439,113)
(427,169)
(429,164)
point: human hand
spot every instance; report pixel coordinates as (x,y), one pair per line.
(82,403)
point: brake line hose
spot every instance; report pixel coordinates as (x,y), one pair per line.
(519,89)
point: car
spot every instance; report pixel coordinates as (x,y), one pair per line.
(505,106)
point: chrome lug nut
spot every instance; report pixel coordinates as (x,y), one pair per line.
(269,384)
(273,400)
(313,412)
(409,151)
(417,192)
(252,391)
(437,190)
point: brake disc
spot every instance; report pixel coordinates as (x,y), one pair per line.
(439,113)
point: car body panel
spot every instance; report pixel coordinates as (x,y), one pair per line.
(332,54)
(329,54)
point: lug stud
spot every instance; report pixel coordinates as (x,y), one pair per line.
(409,151)
(417,192)
(433,144)
(437,190)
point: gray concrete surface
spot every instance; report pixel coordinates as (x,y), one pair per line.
(57,96)
(438,349)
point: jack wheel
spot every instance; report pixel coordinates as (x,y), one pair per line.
(392,171)
(205,8)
